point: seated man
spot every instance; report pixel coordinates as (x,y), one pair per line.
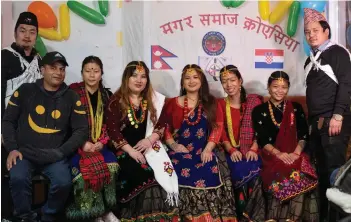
(44,123)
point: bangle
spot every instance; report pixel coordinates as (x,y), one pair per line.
(232,150)
(255,151)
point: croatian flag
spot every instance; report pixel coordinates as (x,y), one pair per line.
(269,58)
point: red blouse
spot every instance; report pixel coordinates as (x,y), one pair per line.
(172,116)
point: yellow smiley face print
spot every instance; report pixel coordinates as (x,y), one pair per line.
(40,110)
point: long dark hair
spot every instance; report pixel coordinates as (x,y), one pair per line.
(233,69)
(123,92)
(207,100)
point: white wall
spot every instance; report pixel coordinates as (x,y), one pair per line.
(140,24)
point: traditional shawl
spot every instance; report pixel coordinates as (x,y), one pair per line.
(246,129)
(159,160)
(92,166)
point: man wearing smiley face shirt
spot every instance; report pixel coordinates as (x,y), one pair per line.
(328,96)
(43,124)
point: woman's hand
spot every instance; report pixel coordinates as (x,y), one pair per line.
(89,147)
(143,145)
(137,156)
(236,156)
(98,146)
(206,156)
(179,148)
(251,156)
(294,156)
(285,158)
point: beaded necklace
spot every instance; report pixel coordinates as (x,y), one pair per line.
(272,114)
(96,120)
(134,121)
(186,113)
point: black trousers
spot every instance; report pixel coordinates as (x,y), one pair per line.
(329,153)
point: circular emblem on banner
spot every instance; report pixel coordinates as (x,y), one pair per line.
(213,43)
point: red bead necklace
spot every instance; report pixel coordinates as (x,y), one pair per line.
(186,113)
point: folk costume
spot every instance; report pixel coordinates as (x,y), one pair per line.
(140,196)
(205,190)
(287,192)
(238,131)
(94,174)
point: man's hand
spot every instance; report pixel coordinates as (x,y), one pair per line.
(334,127)
(12,158)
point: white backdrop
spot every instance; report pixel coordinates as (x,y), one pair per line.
(86,39)
(140,24)
(240,44)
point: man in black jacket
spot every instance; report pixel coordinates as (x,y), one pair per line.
(328,80)
(20,61)
(43,124)
(19,64)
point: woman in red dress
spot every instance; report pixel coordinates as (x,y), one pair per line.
(238,137)
(192,125)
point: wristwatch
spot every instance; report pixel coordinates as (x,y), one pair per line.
(338,117)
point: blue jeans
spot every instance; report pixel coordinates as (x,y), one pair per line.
(21,188)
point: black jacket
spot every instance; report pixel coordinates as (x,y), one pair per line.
(324,97)
(11,68)
(44,127)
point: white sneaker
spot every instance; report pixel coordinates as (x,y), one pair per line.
(99,219)
(110,217)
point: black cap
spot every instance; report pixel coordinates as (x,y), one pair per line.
(27,18)
(52,57)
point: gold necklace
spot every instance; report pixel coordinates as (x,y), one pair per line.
(272,114)
(134,121)
(230,123)
(96,121)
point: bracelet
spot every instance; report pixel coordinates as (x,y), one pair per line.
(296,153)
(232,150)
(149,140)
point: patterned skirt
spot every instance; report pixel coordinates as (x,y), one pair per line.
(87,204)
(244,175)
(215,205)
(262,206)
(147,206)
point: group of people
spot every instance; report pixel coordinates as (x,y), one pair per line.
(131,155)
